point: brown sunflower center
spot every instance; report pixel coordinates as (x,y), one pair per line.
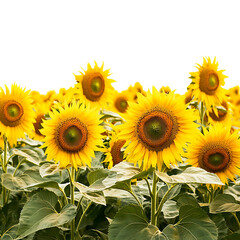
(221,113)
(11,113)
(209,82)
(93,86)
(157,129)
(121,104)
(71,135)
(117,154)
(214,157)
(38,124)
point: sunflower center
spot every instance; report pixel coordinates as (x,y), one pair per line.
(157,129)
(214,157)
(209,82)
(38,124)
(11,113)
(121,104)
(117,154)
(71,135)
(93,86)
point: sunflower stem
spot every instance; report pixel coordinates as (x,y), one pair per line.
(83,214)
(159,209)
(154,199)
(4,168)
(72,179)
(136,198)
(236,218)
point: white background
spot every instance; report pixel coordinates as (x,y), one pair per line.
(42,43)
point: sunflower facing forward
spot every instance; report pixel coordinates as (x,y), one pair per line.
(157,129)
(72,135)
(207,82)
(217,151)
(94,87)
(16,113)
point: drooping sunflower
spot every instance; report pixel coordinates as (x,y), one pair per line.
(16,113)
(217,151)
(157,129)
(207,83)
(72,135)
(114,154)
(94,87)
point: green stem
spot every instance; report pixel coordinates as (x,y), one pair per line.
(149,187)
(72,179)
(236,218)
(154,199)
(159,209)
(136,198)
(4,168)
(83,214)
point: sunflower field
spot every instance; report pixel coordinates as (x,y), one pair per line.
(90,162)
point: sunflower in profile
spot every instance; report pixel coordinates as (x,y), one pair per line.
(94,87)
(157,129)
(72,135)
(114,154)
(16,113)
(40,111)
(206,83)
(217,151)
(134,90)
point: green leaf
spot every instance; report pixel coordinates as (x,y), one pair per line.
(191,175)
(40,213)
(173,192)
(194,224)
(29,179)
(97,174)
(224,203)
(170,209)
(233,236)
(186,199)
(131,223)
(30,142)
(221,225)
(27,154)
(96,197)
(49,169)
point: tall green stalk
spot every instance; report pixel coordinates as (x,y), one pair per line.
(4,168)
(154,199)
(72,180)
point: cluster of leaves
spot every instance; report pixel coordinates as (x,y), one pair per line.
(112,204)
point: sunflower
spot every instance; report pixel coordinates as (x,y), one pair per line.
(224,114)
(72,135)
(41,110)
(94,87)
(119,102)
(134,90)
(217,151)
(114,154)
(157,129)
(166,89)
(16,113)
(206,83)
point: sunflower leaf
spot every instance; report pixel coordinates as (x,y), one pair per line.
(224,203)
(191,175)
(40,213)
(131,223)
